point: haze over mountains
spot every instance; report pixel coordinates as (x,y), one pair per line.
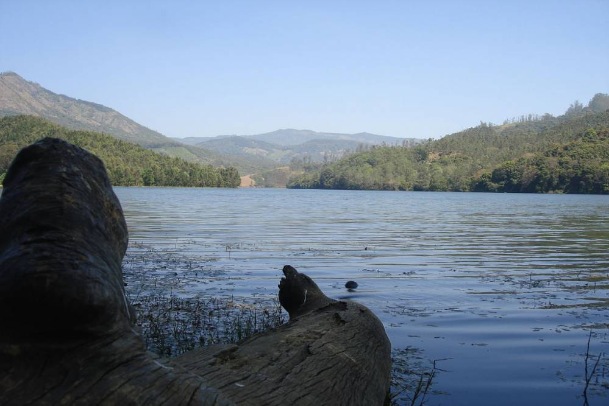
(283,146)
(249,153)
(474,159)
(289,137)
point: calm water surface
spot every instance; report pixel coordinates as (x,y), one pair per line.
(501,290)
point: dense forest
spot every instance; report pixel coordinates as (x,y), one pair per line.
(127,164)
(565,154)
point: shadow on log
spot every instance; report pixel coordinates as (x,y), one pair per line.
(67,332)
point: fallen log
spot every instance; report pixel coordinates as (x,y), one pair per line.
(67,332)
(330,353)
(66,328)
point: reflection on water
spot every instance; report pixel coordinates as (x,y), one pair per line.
(503,290)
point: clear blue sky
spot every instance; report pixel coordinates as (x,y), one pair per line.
(401,68)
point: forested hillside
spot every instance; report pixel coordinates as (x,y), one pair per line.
(127,164)
(529,154)
(21,97)
(580,166)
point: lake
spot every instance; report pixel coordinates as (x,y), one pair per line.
(502,292)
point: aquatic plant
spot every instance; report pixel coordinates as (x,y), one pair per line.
(171,325)
(591,363)
(411,377)
(173,322)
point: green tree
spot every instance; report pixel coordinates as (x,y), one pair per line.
(599,103)
(127,164)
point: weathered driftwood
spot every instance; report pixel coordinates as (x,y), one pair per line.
(330,353)
(66,329)
(66,332)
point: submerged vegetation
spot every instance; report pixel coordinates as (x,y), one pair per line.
(173,321)
(566,154)
(174,318)
(172,325)
(127,164)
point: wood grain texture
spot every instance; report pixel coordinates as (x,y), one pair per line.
(331,352)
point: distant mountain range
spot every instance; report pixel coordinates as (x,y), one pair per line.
(475,158)
(290,137)
(282,146)
(250,154)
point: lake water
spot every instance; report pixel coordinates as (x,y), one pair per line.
(502,291)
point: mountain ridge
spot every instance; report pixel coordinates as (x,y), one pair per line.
(536,154)
(127,164)
(19,96)
(291,137)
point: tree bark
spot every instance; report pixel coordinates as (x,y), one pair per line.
(330,353)
(67,331)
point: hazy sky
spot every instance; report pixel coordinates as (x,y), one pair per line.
(401,68)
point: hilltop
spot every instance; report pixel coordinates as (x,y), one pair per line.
(21,97)
(531,154)
(292,137)
(128,164)
(254,154)
(283,146)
